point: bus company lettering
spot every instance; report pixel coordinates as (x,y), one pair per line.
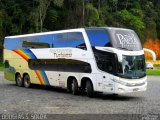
(61,53)
(127,40)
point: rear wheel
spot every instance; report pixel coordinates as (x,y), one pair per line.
(27,82)
(19,80)
(89,89)
(74,87)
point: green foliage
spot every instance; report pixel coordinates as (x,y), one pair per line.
(92,16)
(53,16)
(126,19)
(29,16)
(157,66)
(58,3)
(153,72)
(137,12)
(150,18)
(1,68)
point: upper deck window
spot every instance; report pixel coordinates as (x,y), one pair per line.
(60,40)
(98,37)
(33,42)
(70,39)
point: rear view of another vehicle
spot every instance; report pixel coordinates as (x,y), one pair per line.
(149,65)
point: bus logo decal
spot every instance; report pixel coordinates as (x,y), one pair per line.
(61,53)
(128,40)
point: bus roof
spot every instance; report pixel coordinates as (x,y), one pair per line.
(108,28)
(60,31)
(45,33)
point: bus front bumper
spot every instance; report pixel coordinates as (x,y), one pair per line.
(119,88)
(122,89)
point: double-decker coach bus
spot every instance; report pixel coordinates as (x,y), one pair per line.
(98,59)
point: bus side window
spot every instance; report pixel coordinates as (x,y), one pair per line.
(105,61)
(59,40)
(70,39)
(76,40)
(99,38)
(26,44)
(52,45)
(36,42)
(6,64)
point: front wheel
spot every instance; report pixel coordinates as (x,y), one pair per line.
(89,89)
(27,82)
(19,80)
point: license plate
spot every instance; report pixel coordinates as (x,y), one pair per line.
(135,89)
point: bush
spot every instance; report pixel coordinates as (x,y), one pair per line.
(1,64)
(157,65)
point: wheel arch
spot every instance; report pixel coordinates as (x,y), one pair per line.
(84,81)
(25,73)
(69,80)
(17,73)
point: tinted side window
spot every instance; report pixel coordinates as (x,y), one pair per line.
(105,61)
(59,40)
(71,39)
(66,65)
(99,37)
(12,43)
(76,40)
(42,41)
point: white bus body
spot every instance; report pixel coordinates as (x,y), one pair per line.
(107,60)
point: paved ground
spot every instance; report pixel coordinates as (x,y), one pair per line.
(56,101)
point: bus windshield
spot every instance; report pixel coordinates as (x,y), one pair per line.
(119,38)
(125,39)
(132,67)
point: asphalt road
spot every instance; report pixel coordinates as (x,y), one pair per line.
(57,101)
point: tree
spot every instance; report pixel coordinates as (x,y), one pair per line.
(92,16)
(42,10)
(29,16)
(126,19)
(150,17)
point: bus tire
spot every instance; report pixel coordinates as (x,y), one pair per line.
(27,82)
(89,88)
(74,87)
(19,80)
